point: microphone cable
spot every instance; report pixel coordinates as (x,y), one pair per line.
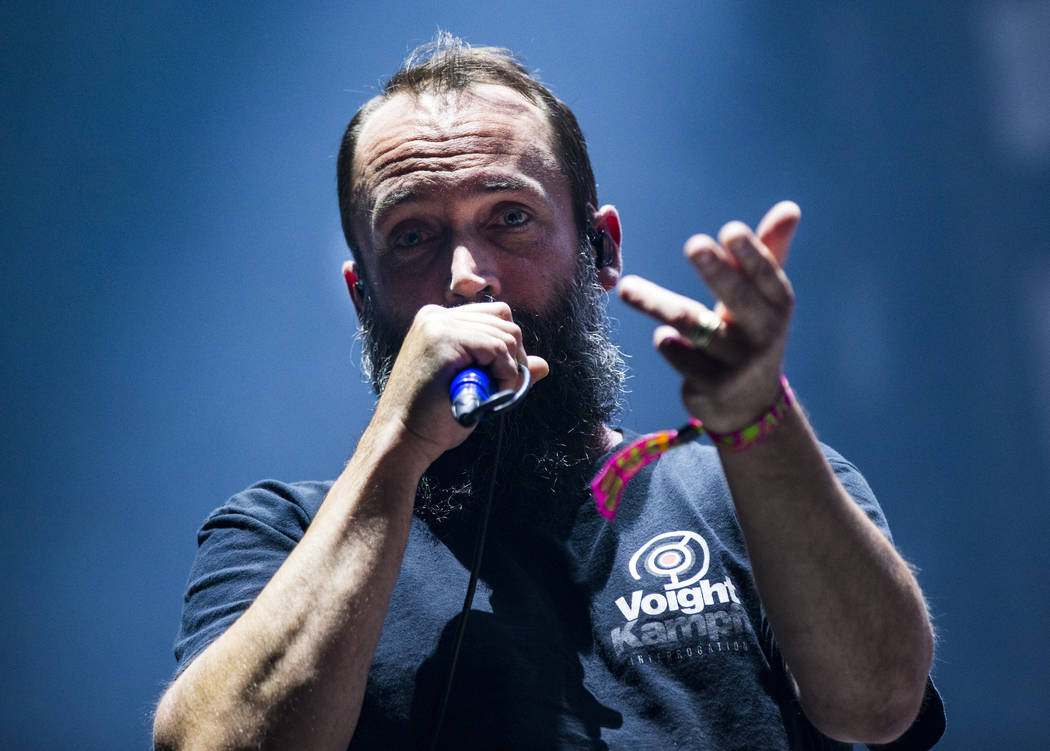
(475,570)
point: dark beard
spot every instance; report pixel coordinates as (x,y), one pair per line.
(548,440)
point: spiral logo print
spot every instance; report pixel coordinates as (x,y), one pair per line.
(682,557)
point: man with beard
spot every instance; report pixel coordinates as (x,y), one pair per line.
(550,435)
(325,614)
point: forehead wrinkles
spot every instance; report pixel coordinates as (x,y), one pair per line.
(424,162)
(423,139)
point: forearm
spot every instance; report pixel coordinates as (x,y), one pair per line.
(291,671)
(846,611)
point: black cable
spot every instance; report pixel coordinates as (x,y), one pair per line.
(475,569)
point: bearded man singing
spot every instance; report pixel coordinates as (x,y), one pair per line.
(746,596)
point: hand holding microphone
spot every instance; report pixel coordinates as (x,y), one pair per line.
(441,342)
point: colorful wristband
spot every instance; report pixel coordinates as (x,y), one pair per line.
(760,429)
(608,485)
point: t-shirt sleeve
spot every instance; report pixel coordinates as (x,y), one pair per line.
(239,547)
(855,484)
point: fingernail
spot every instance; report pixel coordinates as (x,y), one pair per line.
(707,260)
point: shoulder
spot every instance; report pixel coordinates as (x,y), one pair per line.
(683,486)
(267,494)
(286,508)
(240,546)
(858,488)
(844,468)
(693,473)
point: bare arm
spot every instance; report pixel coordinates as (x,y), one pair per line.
(291,671)
(847,613)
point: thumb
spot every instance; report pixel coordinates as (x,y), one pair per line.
(538,368)
(778,227)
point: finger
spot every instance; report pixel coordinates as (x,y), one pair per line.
(480,340)
(688,360)
(498,309)
(686,315)
(740,302)
(504,340)
(487,321)
(756,262)
(538,370)
(778,227)
(494,325)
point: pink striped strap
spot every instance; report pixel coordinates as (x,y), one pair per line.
(608,485)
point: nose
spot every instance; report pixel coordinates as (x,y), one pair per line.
(473,275)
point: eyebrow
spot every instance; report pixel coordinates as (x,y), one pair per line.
(482,185)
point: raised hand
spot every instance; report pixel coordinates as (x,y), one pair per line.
(730,357)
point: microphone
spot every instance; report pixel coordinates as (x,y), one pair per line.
(472,399)
(467,392)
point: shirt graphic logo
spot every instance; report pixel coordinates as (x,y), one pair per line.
(677,614)
(672,555)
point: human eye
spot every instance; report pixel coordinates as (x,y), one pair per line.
(513,217)
(407,238)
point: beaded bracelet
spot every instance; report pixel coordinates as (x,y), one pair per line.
(608,485)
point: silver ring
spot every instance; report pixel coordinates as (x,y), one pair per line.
(705,330)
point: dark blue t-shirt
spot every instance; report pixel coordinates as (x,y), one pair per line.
(646,632)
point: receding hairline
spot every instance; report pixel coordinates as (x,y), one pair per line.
(475,89)
(448,64)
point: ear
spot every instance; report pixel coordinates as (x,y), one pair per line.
(607,219)
(352,284)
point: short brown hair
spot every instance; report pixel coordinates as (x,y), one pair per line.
(449,64)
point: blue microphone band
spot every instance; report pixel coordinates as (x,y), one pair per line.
(468,391)
(472,399)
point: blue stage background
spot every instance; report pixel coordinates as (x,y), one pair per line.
(175,326)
